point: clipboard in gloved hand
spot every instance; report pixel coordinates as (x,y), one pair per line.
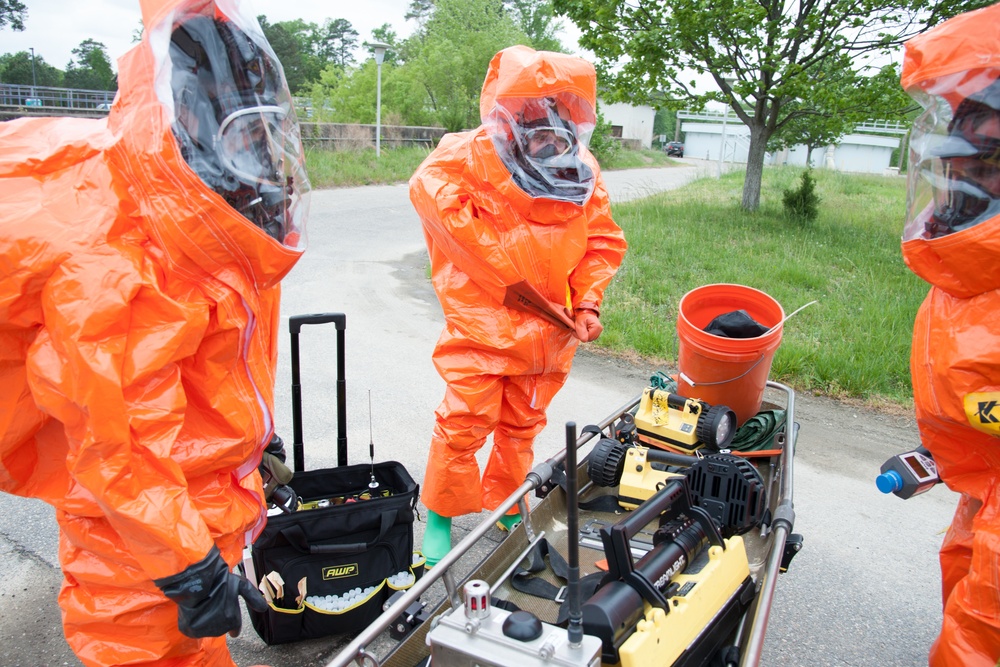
(524,297)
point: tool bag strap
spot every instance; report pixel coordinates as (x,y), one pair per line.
(297,538)
(524,581)
(606,503)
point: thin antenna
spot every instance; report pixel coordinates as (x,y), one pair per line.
(373,484)
(575,627)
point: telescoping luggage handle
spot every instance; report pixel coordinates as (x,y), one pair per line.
(294,325)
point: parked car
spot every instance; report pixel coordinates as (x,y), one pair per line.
(675,149)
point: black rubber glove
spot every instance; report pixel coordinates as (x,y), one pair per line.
(208,597)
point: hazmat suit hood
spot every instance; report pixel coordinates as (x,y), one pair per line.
(220,182)
(538,108)
(952,233)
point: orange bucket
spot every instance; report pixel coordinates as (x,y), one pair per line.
(720,370)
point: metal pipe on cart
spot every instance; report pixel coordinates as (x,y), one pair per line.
(540,474)
(781,527)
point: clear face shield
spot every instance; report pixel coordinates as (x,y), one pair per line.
(234,119)
(539,141)
(954,179)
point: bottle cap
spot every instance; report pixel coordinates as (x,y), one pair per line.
(889,482)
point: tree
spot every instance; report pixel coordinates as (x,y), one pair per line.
(137,32)
(92,68)
(665,123)
(351,98)
(337,41)
(288,49)
(16,68)
(830,115)
(537,19)
(420,11)
(764,56)
(13,13)
(386,35)
(307,35)
(451,55)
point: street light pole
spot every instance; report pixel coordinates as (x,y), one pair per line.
(722,147)
(730,80)
(379,49)
(33,82)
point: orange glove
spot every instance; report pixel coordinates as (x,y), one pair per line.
(588,325)
(524,297)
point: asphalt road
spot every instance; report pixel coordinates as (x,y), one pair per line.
(864,590)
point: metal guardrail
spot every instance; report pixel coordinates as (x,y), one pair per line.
(883,127)
(869,126)
(711,116)
(64,99)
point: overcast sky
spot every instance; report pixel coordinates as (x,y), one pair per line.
(55,27)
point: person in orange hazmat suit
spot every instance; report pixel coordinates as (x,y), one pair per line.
(522,246)
(139,297)
(952,240)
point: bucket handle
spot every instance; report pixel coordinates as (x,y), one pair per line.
(691,382)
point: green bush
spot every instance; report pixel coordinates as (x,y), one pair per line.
(802,202)
(603,144)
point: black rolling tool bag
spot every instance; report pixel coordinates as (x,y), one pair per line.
(349,547)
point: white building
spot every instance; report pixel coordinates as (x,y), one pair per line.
(856,152)
(703,138)
(629,122)
(860,151)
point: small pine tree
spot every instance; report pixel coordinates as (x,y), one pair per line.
(803,202)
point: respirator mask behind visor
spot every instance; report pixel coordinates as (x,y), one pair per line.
(957,169)
(541,150)
(234,122)
(253,147)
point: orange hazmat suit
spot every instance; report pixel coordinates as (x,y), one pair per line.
(522,246)
(952,240)
(138,314)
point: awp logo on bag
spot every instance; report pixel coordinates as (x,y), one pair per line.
(340,571)
(983,411)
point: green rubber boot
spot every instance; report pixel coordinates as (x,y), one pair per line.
(437,538)
(508,522)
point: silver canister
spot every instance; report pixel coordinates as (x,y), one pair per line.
(477,599)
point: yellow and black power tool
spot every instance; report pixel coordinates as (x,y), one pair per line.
(728,486)
(677,604)
(671,421)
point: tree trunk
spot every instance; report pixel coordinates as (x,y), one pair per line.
(755,169)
